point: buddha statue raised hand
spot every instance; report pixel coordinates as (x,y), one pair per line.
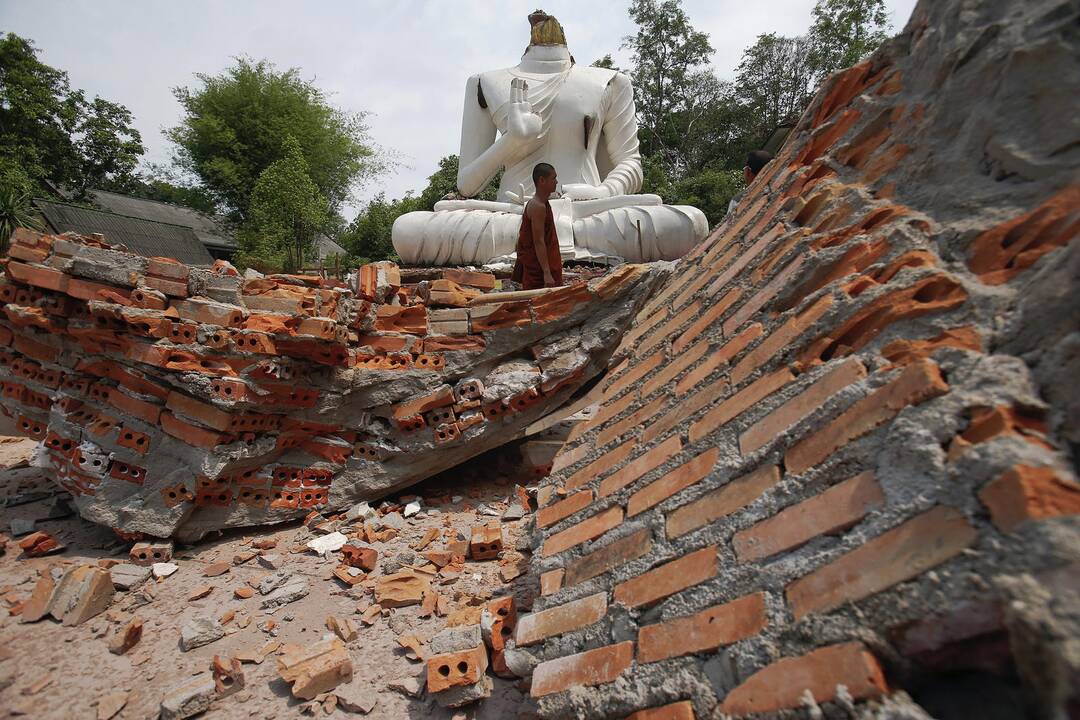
(582,121)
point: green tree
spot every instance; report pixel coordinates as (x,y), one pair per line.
(776,80)
(604,62)
(235,126)
(15,212)
(668,74)
(285,212)
(845,31)
(55,133)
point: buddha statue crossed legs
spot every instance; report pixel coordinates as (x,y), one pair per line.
(582,121)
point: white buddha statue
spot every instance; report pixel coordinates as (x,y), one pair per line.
(582,121)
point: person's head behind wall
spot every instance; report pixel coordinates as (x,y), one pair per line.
(755,161)
(545,179)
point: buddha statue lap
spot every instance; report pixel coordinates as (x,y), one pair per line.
(582,121)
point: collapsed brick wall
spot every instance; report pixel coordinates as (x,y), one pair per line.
(840,439)
(171,401)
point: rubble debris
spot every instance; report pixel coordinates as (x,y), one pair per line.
(200,592)
(270,561)
(413,647)
(456,671)
(109,705)
(126,576)
(228,675)
(359,556)
(216,569)
(40,602)
(80,594)
(315,669)
(342,627)
(273,581)
(40,543)
(401,589)
(126,637)
(356,699)
(486,541)
(147,554)
(200,631)
(192,697)
(22,526)
(328,543)
(163,570)
(243,592)
(410,685)
(287,593)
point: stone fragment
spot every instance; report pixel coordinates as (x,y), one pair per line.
(40,601)
(22,526)
(411,509)
(328,543)
(392,520)
(272,582)
(126,576)
(463,695)
(81,594)
(342,627)
(242,557)
(315,669)
(163,570)
(200,592)
(228,675)
(359,511)
(126,637)
(111,704)
(200,631)
(264,544)
(456,639)
(216,569)
(270,562)
(189,699)
(411,685)
(287,593)
(401,589)
(355,699)
(243,592)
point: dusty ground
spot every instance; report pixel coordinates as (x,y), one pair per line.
(63,672)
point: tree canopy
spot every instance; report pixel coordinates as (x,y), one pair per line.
(51,132)
(236,123)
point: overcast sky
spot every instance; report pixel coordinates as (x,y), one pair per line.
(403,61)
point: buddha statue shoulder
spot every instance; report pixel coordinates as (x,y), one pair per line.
(582,121)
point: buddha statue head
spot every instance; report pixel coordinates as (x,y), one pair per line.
(546,30)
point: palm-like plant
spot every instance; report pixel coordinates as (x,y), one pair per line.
(15,212)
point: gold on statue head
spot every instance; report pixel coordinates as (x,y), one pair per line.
(546,30)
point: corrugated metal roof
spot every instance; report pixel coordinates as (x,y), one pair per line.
(145,237)
(206,228)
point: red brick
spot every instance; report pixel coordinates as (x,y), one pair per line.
(641,415)
(674,368)
(191,434)
(738,403)
(619,552)
(570,455)
(502,315)
(797,408)
(923,542)
(668,579)
(704,275)
(745,259)
(645,321)
(784,683)
(592,667)
(777,342)
(200,412)
(706,320)
(641,465)
(836,509)
(560,302)
(634,374)
(763,296)
(668,328)
(707,630)
(733,496)
(610,409)
(1025,493)
(551,581)
(410,408)
(563,509)
(682,710)
(606,460)
(685,408)
(42,277)
(917,383)
(720,358)
(584,531)
(456,669)
(148,412)
(560,619)
(677,479)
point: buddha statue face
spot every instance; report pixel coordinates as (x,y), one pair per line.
(546,30)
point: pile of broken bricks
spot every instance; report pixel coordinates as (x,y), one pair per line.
(199,399)
(359,545)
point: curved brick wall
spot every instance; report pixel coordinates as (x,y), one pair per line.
(838,441)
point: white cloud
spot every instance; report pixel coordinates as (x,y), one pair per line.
(404,62)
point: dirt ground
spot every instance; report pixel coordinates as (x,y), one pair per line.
(52,671)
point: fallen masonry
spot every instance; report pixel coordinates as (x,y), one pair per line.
(172,400)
